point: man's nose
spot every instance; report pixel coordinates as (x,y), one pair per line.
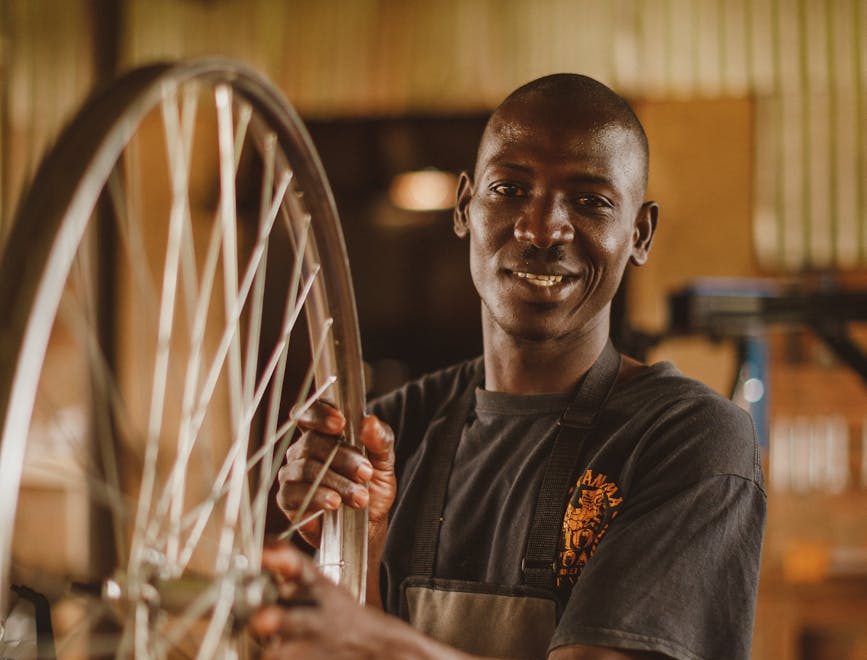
(544,224)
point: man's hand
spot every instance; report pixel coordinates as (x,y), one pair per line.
(325,625)
(328,623)
(351,480)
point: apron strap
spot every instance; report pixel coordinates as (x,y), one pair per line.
(575,425)
(447,437)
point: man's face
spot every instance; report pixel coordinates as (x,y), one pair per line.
(553,217)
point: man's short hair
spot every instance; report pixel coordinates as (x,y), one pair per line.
(573,90)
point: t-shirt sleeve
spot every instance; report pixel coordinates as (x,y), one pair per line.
(677,571)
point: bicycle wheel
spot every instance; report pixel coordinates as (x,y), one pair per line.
(176,292)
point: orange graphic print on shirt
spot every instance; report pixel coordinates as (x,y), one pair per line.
(594,503)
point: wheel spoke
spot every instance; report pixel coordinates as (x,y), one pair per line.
(200,605)
(97,490)
(142,634)
(164,332)
(254,330)
(126,209)
(266,473)
(229,333)
(75,467)
(179,147)
(86,337)
(192,419)
(267,448)
(217,626)
(174,489)
(229,221)
(290,532)
(80,318)
(199,515)
(181,133)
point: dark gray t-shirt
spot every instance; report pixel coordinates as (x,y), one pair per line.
(483,534)
(661,532)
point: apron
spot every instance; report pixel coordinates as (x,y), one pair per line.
(492,620)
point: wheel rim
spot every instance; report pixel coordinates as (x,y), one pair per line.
(50,259)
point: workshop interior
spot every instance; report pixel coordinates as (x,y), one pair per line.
(756,285)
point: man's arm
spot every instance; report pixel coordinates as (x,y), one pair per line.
(581,652)
(336,626)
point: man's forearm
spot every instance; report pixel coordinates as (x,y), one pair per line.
(375,547)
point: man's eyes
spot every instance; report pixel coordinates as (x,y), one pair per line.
(592,201)
(508,189)
(586,200)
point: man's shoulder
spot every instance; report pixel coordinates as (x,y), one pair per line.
(662,386)
(682,419)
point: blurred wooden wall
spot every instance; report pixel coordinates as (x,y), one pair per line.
(46,71)
(802,61)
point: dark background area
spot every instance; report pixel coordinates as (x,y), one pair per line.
(417,307)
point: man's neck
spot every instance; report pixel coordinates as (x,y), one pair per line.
(521,366)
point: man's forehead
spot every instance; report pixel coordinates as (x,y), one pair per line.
(509,137)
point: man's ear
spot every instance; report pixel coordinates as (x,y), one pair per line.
(642,233)
(462,204)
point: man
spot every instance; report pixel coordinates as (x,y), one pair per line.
(552,497)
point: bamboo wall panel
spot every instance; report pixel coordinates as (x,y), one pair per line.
(46,71)
(803,61)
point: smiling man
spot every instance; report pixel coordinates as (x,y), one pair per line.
(552,497)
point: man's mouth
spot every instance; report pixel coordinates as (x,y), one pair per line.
(537,279)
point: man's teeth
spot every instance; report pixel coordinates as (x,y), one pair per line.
(540,280)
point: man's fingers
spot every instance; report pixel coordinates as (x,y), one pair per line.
(298,581)
(282,559)
(343,482)
(266,622)
(291,496)
(304,472)
(348,461)
(296,622)
(309,649)
(322,417)
(378,439)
